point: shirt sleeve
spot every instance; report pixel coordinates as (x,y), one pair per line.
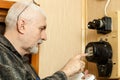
(57,76)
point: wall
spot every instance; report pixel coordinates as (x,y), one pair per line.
(64,32)
(95,10)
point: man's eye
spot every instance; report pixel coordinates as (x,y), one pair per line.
(41,29)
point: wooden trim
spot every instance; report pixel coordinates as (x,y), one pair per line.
(35,62)
(83,28)
(6,4)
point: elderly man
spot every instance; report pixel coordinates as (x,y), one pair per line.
(25,29)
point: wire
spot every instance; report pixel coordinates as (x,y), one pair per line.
(105,10)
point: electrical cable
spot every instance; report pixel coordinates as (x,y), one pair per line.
(105,10)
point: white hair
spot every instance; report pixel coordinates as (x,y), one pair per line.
(22,9)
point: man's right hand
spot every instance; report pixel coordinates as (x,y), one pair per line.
(74,65)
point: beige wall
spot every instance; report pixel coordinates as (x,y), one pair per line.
(64,32)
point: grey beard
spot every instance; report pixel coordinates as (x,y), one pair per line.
(34,50)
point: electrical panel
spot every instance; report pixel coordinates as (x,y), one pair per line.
(100,52)
(108,44)
(114,39)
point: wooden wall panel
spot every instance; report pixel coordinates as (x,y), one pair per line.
(95,10)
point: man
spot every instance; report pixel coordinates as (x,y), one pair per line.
(25,30)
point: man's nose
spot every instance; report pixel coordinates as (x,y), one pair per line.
(44,36)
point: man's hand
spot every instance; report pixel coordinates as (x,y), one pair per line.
(74,65)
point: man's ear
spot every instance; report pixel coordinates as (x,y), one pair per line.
(21,26)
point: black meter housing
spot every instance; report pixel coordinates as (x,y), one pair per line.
(100,53)
(103,26)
